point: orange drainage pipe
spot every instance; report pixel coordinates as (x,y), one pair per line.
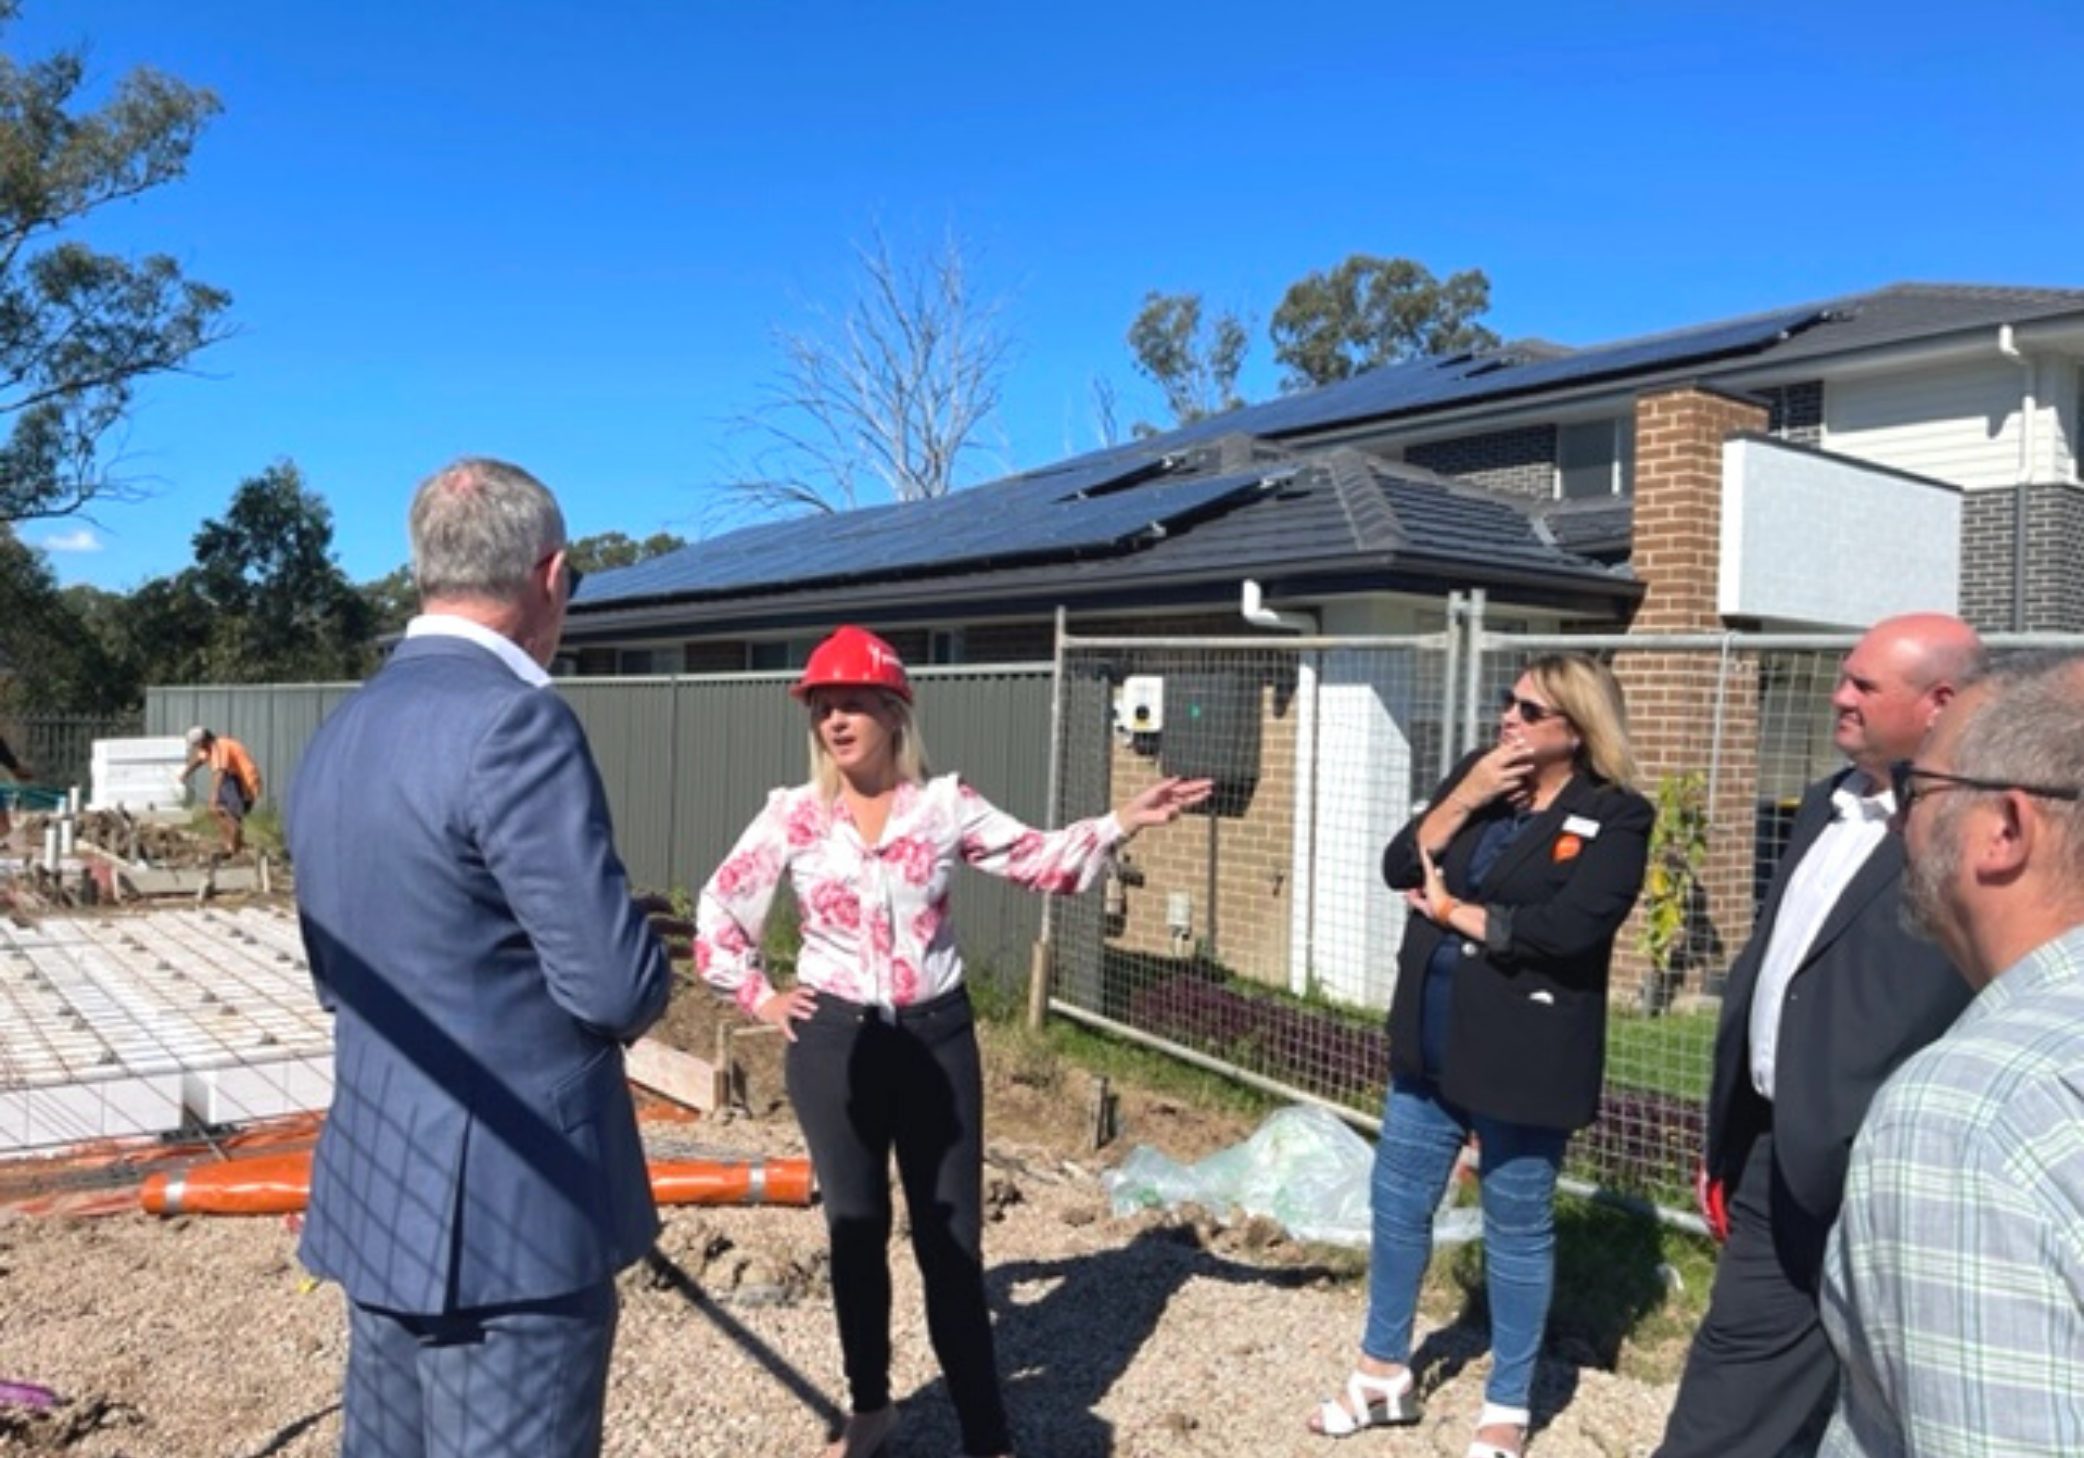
(281,1184)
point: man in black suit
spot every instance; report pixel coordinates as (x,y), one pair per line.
(1828,996)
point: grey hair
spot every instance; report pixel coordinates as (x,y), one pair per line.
(2023,731)
(479,527)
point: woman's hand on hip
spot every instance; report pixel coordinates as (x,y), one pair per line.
(785,1009)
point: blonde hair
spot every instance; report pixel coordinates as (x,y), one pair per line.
(910,750)
(1590,697)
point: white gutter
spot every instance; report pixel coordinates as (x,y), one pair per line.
(2029,407)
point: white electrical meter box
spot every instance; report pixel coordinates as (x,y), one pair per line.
(1141,707)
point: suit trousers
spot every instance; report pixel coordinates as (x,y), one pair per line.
(530,1377)
(1761,1378)
(866,1081)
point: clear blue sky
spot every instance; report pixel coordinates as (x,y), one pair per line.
(560,232)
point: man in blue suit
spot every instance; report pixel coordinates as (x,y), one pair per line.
(480,1179)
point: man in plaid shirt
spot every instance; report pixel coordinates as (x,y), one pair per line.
(1954,1280)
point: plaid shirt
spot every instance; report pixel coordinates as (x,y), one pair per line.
(1954,1282)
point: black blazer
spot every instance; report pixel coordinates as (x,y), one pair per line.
(1526,1037)
(1867,995)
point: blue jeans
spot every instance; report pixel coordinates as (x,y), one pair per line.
(1421,1135)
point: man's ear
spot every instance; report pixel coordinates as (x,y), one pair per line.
(2004,849)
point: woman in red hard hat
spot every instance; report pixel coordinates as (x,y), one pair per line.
(882,1050)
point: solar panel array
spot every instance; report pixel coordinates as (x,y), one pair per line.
(1466,378)
(1099,506)
(1112,498)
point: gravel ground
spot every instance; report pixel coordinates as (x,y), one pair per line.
(196,1337)
(200,1337)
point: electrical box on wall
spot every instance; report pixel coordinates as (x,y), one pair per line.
(1140,707)
(1212,729)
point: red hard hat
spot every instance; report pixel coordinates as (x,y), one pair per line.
(854,658)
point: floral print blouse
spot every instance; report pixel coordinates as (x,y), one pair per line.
(876,925)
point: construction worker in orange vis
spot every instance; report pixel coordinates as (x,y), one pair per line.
(235,782)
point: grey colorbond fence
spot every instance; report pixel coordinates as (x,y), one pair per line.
(688,761)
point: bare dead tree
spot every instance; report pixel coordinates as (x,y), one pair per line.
(893,391)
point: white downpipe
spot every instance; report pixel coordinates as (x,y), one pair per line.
(2029,407)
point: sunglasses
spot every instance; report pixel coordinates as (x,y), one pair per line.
(1529,711)
(1904,775)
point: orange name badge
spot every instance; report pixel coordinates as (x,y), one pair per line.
(1566,848)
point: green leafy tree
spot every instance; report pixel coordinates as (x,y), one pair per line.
(1371,311)
(605,551)
(392,600)
(55,661)
(282,610)
(80,329)
(1191,356)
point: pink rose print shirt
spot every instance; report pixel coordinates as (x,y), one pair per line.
(876,924)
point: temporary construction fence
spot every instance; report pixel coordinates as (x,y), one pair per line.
(1257,937)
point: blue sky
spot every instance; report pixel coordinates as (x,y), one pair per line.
(561,232)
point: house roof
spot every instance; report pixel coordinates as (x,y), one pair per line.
(1318,523)
(1246,493)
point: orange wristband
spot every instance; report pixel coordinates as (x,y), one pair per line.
(1448,914)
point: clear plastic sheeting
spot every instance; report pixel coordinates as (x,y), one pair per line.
(1305,1169)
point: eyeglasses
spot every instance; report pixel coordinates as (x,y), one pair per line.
(1904,775)
(1529,711)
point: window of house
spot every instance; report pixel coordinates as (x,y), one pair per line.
(945,645)
(670,659)
(1595,458)
(776,654)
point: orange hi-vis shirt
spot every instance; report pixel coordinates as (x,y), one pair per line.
(229,757)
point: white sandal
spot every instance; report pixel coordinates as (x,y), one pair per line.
(1371,1402)
(1494,1416)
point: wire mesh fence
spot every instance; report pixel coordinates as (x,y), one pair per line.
(1257,937)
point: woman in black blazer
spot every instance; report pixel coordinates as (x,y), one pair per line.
(1518,874)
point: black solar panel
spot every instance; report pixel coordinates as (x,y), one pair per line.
(1055,513)
(1464,379)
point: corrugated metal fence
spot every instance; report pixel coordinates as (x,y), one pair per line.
(689,761)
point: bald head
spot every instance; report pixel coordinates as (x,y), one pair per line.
(1892,685)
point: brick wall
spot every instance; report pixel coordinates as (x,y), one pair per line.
(1678,528)
(1251,841)
(2054,547)
(1521,461)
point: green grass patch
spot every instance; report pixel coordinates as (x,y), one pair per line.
(1672,1054)
(1629,1291)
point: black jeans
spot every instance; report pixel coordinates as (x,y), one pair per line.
(865,1082)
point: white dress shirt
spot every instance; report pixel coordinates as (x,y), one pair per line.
(1858,824)
(506,650)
